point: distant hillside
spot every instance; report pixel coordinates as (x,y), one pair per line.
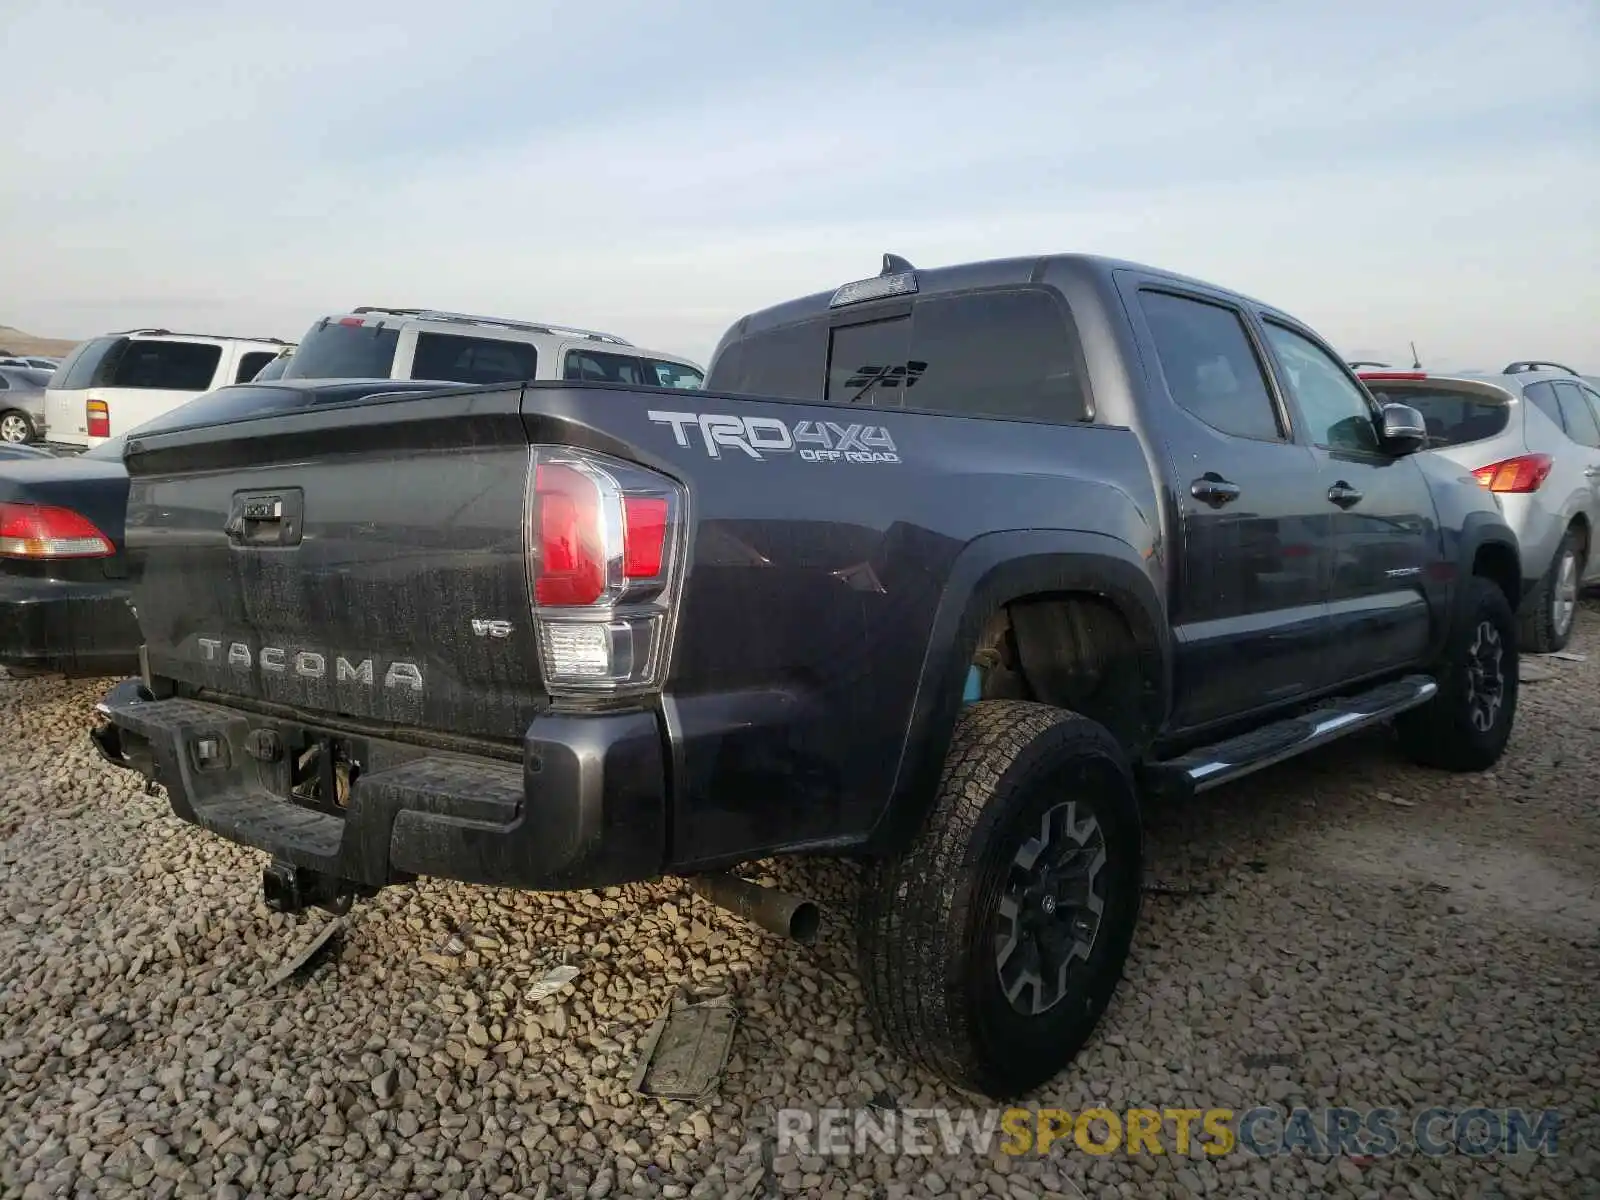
(14,341)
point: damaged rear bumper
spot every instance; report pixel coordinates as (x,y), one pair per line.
(583,808)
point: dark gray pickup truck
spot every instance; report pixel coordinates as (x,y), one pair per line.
(944,570)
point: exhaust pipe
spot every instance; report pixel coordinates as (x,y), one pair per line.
(787,915)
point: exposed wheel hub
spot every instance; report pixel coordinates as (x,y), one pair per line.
(1050,910)
(1486,681)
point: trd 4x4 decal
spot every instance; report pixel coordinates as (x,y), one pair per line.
(759,437)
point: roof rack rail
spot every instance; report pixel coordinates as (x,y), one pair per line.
(1534,364)
(440,315)
(221,337)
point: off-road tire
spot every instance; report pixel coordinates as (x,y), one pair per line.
(926,929)
(1441,733)
(1541,633)
(15,418)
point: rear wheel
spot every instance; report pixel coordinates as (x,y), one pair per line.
(15,426)
(990,947)
(1465,726)
(1550,610)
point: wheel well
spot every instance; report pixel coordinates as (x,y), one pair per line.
(1072,649)
(1580,526)
(1499,564)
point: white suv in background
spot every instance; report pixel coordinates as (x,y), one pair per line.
(108,385)
(416,343)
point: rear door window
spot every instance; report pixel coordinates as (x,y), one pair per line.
(78,371)
(1453,416)
(597,366)
(334,350)
(250,364)
(454,358)
(1210,365)
(166,366)
(676,375)
(1580,421)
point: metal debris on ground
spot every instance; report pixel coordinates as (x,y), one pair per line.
(455,944)
(310,956)
(1397,801)
(1528,672)
(687,1049)
(1567,656)
(550,983)
(1162,888)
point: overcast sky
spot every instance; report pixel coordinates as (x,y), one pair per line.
(1413,169)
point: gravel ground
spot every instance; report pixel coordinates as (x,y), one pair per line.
(1343,930)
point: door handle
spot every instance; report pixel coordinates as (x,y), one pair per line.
(1344,495)
(265,518)
(1591,472)
(1214,490)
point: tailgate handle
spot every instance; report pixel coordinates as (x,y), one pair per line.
(266,518)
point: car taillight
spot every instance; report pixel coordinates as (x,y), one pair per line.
(1525,473)
(605,565)
(99,418)
(45,531)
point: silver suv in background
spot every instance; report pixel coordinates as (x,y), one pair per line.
(1531,435)
(414,343)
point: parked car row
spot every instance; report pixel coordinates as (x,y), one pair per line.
(63,577)
(112,384)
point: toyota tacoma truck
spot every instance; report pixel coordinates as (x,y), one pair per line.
(945,570)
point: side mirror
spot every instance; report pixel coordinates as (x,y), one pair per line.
(1402,429)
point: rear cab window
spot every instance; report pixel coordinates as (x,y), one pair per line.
(1008,352)
(344,348)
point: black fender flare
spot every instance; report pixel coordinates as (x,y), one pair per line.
(1478,530)
(1481,529)
(990,572)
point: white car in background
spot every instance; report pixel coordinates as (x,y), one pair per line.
(108,385)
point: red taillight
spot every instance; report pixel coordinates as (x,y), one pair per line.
(606,562)
(1392,374)
(45,531)
(1525,473)
(644,536)
(351,321)
(99,418)
(571,537)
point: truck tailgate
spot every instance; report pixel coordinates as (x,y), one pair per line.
(364,561)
